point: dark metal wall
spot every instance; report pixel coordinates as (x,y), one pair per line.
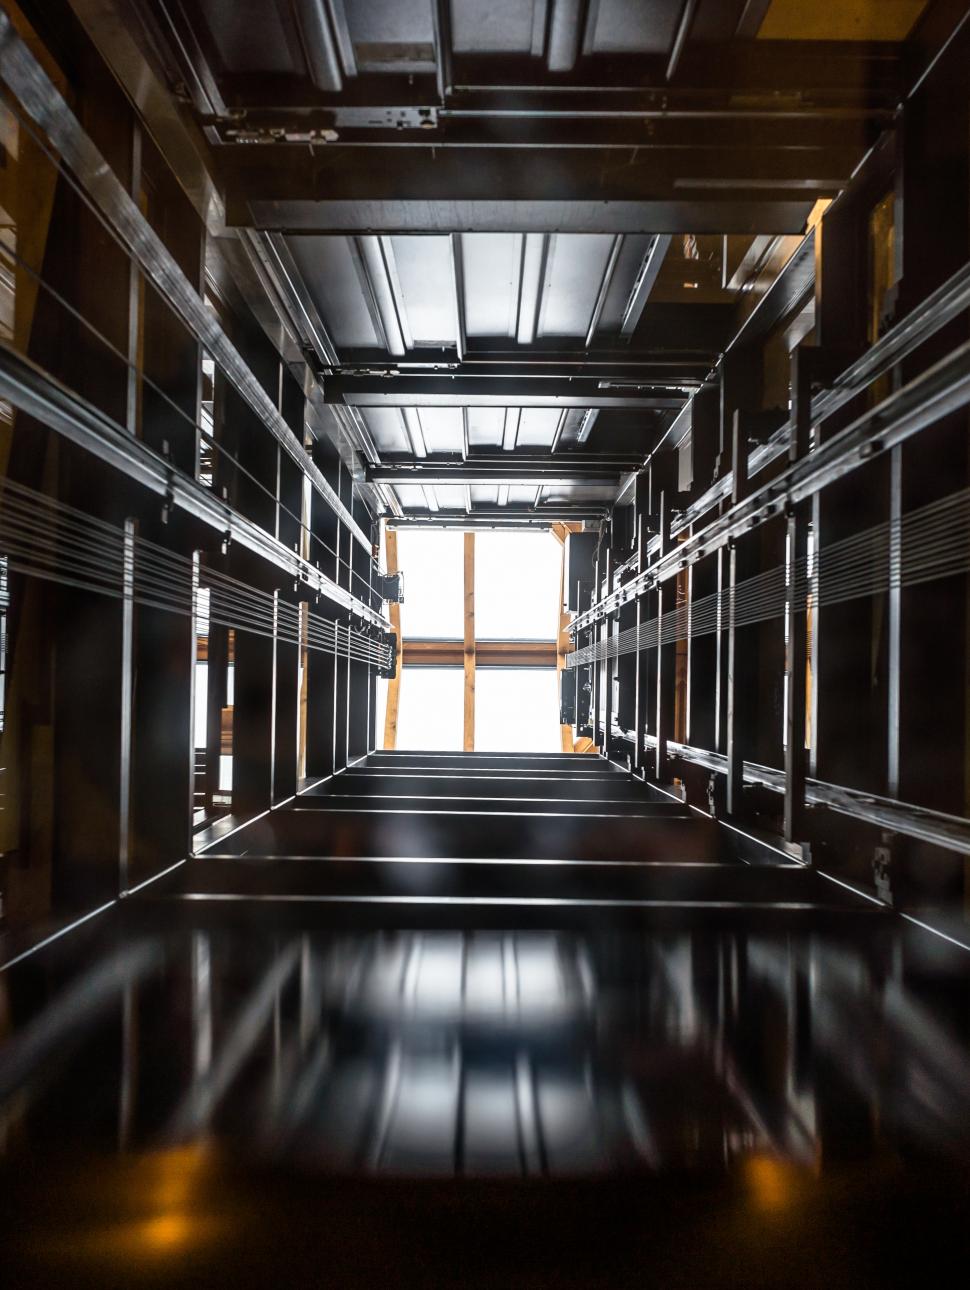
(820,522)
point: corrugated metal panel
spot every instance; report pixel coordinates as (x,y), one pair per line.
(428,285)
(442,429)
(486,427)
(492,264)
(537,427)
(257,45)
(498,27)
(450,497)
(635,26)
(574,272)
(330,271)
(386,426)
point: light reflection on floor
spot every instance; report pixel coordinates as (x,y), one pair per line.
(488,1054)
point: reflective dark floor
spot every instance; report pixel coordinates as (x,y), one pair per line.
(487,1053)
(185,1065)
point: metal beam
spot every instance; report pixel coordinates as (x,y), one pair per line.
(304,206)
(647,276)
(29,388)
(47,108)
(563,469)
(507,517)
(681,36)
(520,392)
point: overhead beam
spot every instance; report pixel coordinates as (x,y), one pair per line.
(432,391)
(507,517)
(302,207)
(563,469)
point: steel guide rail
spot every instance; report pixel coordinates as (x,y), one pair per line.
(41,537)
(197,426)
(35,392)
(949,832)
(943,389)
(942,306)
(46,107)
(933,542)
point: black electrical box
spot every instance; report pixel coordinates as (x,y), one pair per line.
(574,698)
(580,570)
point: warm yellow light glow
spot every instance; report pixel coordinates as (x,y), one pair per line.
(168,1232)
(771,1183)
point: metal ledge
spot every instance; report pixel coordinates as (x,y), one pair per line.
(46,107)
(38,394)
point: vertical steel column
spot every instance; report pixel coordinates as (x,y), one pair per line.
(738,702)
(641,521)
(796,588)
(666,649)
(127,694)
(606,677)
(286,662)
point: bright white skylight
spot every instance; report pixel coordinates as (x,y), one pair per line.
(516,586)
(432,563)
(517,709)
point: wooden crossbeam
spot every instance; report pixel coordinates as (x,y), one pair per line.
(487,653)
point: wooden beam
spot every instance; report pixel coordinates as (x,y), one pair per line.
(468,645)
(394,685)
(487,653)
(563,644)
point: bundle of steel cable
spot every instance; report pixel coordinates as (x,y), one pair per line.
(44,538)
(925,544)
(212,443)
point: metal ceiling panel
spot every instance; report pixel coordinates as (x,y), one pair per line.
(449,498)
(499,27)
(391,35)
(257,45)
(486,427)
(484,495)
(411,497)
(387,429)
(427,281)
(579,493)
(537,427)
(330,271)
(575,267)
(634,26)
(443,429)
(492,266)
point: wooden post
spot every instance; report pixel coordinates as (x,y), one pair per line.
(469,724)
(394,685)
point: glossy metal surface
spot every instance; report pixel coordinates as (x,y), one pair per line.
(175,1103)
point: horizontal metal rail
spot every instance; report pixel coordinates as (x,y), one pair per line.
(41,100)
(35,392)
(943,389)
(942,306)
(951,832)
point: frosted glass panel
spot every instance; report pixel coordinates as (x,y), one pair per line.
(517,710)
(431,711)
(432,564)
(517,586)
